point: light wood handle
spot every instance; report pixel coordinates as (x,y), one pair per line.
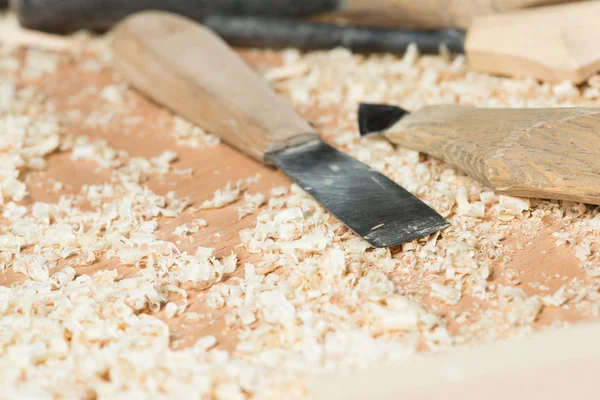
(427,14)
(185,67)
(548,153)
(552,44)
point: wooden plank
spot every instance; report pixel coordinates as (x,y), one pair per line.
(553,365)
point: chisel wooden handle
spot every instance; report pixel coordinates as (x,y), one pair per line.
(431,14)
(553,44)
(549,153)
(69,15)
(187,68)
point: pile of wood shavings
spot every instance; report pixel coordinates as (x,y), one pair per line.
(312,297)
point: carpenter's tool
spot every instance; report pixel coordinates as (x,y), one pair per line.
(61,15)
(549,153)
(69,15)
(309,35)
(184,66)
(552,43)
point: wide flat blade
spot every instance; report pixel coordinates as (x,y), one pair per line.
(367,202)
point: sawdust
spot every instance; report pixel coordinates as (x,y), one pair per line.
(111,289)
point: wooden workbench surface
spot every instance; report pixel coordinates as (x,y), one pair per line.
(543,265)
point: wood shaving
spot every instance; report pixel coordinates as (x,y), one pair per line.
(114,94)
(512,205)
(185,230)
(39,62)
(189,135)
(184,172)
(448,295)
(223,197)
(279,191)
(252,203)
(231,193)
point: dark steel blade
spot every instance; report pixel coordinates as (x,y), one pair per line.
(278,32)
(378,117)
(366,201)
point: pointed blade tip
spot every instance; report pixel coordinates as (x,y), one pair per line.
(374,118)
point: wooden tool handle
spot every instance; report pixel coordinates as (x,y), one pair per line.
(549,153)
(552,44)
(426,14)
(185,67)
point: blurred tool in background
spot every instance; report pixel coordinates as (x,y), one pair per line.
(309,35)
(64,15)
(551,43)
(68,15)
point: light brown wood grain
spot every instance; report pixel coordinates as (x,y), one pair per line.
(185,67)
(549,153)
(552,365)
(427,14)
(552,43)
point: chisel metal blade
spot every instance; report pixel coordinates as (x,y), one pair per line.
(378,117)
(366,201)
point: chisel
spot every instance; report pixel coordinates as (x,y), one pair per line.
(552,43)
(184,66)
(63,15)
(547,153)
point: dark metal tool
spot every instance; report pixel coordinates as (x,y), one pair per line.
(374,118)
(187,68)
(287,32)
(68,15)
(368,202)
(256,23)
